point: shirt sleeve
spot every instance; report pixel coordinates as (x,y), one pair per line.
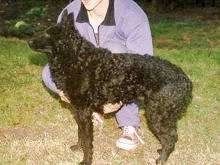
(139,40)
(137,31)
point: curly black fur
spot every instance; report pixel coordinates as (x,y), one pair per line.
(92,77)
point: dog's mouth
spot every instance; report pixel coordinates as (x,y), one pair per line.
(45,49)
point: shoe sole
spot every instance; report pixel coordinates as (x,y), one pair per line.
(125,146)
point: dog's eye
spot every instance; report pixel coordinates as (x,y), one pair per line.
(47,35)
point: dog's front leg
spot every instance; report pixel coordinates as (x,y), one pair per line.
(83,118)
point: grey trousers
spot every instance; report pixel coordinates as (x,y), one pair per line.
(126,116)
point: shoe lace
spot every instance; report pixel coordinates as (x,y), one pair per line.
(129,130)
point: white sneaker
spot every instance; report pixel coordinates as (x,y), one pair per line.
(129,139)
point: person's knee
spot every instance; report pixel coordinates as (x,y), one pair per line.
(45,73)
(47,79)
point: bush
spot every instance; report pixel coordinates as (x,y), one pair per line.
(19,28)
(35,13)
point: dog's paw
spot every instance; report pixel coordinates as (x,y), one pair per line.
(75,148)
(84,163)
(159,151)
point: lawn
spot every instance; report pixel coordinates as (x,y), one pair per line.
(36,129)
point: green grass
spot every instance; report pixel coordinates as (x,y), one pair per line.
(36,129)
(19,84)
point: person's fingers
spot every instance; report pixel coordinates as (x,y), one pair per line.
(97,119)
(63,97)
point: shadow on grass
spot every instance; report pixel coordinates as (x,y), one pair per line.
(38,59)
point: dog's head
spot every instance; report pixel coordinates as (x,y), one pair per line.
(62,35)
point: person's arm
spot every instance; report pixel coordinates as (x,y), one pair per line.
(137,31)
(139,40)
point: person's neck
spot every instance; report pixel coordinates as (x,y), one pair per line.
(99,12)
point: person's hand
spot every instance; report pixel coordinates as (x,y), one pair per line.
(109,108)
(63,97)
(97,119)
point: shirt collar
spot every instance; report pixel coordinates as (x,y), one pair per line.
(109,18)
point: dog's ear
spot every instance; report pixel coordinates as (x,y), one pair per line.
(67,20)
(70,18)
(64,17)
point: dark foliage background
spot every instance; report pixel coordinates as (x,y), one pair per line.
(23,18)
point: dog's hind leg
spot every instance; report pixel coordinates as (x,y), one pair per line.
(162,112)
(167,135)
(85,134)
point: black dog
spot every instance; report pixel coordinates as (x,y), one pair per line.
(92,77)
